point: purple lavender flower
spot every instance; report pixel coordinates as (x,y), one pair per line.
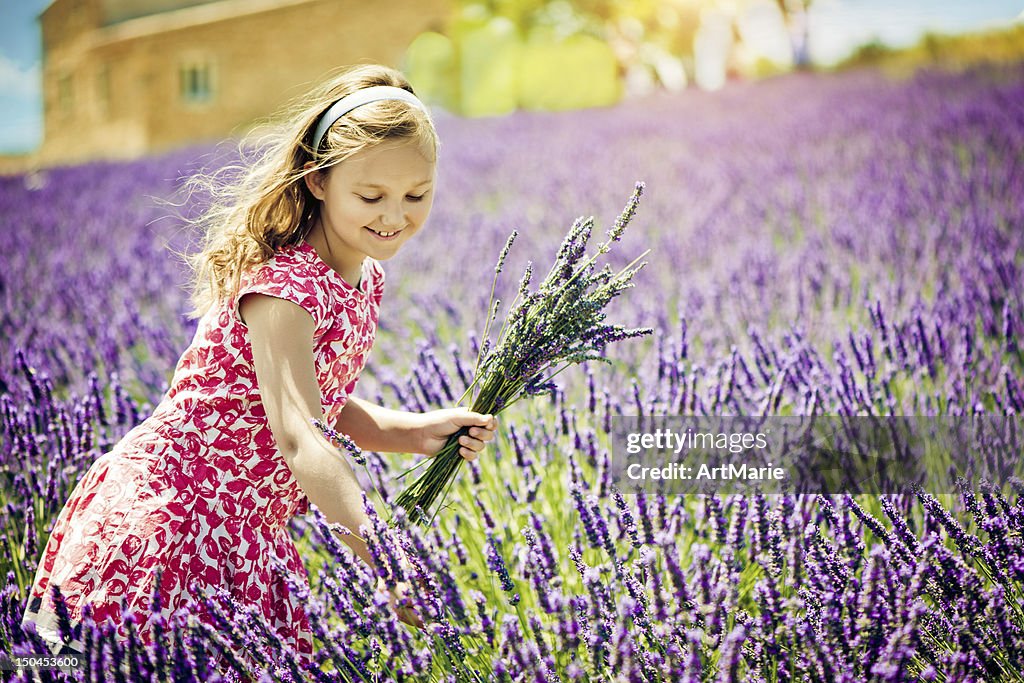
(496,563)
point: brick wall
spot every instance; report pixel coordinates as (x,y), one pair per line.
(203,74)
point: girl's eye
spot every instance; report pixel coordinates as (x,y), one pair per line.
(369,200)
(413,198)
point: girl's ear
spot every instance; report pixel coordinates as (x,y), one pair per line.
(315,181)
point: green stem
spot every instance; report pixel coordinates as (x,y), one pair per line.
(421,463)
(487,329)
(440,505)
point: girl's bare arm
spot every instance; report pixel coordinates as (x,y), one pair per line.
(281,334)
(376,428)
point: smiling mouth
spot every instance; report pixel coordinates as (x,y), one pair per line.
(384,235)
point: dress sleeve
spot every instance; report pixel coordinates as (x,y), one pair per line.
(283,280)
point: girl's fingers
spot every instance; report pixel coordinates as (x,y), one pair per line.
(476,439)
(489,421)
(405,613)
(471,443)
(481,434)
(410,617)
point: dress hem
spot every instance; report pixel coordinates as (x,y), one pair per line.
(48,628)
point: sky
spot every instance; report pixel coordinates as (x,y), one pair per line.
(837,27)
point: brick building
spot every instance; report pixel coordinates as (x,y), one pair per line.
(122,78)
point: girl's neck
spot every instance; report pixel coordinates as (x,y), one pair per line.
(333,255)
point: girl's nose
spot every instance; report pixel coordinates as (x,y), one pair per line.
(392,216)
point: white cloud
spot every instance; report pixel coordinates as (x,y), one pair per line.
(18,81)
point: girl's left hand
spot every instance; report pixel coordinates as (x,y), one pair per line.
(438,425)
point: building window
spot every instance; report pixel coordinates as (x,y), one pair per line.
(103,90)
(64,103)
(196,82)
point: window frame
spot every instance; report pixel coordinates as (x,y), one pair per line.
(197,81)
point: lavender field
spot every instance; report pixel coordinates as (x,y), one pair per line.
(841,244)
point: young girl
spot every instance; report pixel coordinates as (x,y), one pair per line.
(288,286)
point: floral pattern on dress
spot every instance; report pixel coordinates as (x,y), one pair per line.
(199,490)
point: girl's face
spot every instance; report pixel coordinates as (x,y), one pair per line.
(374,202)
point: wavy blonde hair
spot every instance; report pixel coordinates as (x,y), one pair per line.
(262,204)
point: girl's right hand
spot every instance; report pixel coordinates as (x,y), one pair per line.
(402,592)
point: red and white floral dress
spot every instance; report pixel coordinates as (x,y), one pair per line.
(199,489)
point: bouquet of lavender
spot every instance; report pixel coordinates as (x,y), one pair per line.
(545,331)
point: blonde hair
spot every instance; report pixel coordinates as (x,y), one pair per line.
(262,203)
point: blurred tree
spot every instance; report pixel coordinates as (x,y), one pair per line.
(794,12)
(869,54)
(431,62)
(933,46)
(604,10)
(578,71)
(488,59)
(652,43)
(679,22)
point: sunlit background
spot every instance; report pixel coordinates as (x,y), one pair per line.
(468,57)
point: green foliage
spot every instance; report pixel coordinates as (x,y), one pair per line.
(486,69)
(953,52)
(430,64)
(488,77)
(580,71)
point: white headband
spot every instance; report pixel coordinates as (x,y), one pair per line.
(357,99)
